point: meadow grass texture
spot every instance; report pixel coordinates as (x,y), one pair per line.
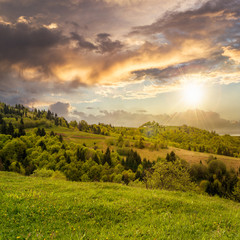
(43,208)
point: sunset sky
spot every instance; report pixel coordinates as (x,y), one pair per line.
(102,59)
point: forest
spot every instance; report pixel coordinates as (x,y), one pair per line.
(35,143)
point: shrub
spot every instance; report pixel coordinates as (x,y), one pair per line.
(58,175)
(170,176)
(236,191)
(198,172)
(43,172)
(117,178)
(204,184)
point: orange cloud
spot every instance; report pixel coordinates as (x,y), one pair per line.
(233,54)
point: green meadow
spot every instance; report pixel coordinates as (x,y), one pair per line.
(44,208)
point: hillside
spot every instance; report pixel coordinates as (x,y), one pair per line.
(102,142)
(38,208)
(34,142)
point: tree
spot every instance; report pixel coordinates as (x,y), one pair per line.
(171,157)
(141,144)
(38,133)
(83,126)
(52,134)
(21,131)
(198,172)
(10,129)
(169,176)
(1,119)
(43,133)
(107,157)
(4,127)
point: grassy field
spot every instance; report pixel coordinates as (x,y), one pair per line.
(190,156)
(36,208)
(74,135)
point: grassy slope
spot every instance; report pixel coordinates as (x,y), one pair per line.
(74,135)
(190,156)
(35,208)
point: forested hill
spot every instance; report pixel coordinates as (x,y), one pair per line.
(19,115)
(15,119)
(192,138)
(40,143)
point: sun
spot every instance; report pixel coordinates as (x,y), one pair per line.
(192,94)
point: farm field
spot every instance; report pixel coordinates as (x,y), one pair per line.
(41,208)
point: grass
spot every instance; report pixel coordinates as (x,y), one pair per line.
(78,137)
(36,208)
(190,156)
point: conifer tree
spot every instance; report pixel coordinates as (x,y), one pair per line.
(10,129)
(107,157)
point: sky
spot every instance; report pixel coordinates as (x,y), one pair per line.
(121,61)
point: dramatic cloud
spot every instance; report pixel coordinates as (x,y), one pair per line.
(21,43)
(114,49)
(60,108)
(213,25)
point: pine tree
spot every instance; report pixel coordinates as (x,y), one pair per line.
(171,157)
(107,157)
(21,131)
(43,133)
(10,129)
(38,133)
(52,134)
(96,159)
(4,127)
(1,119)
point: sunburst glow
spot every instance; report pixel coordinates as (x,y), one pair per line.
(193,94)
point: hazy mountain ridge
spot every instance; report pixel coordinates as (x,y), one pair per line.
(197,118)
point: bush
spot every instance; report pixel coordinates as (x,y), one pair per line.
(117,178)
(58,175)
(236,191)
(204,184)
(170,176)
(198,172)
(43,172)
